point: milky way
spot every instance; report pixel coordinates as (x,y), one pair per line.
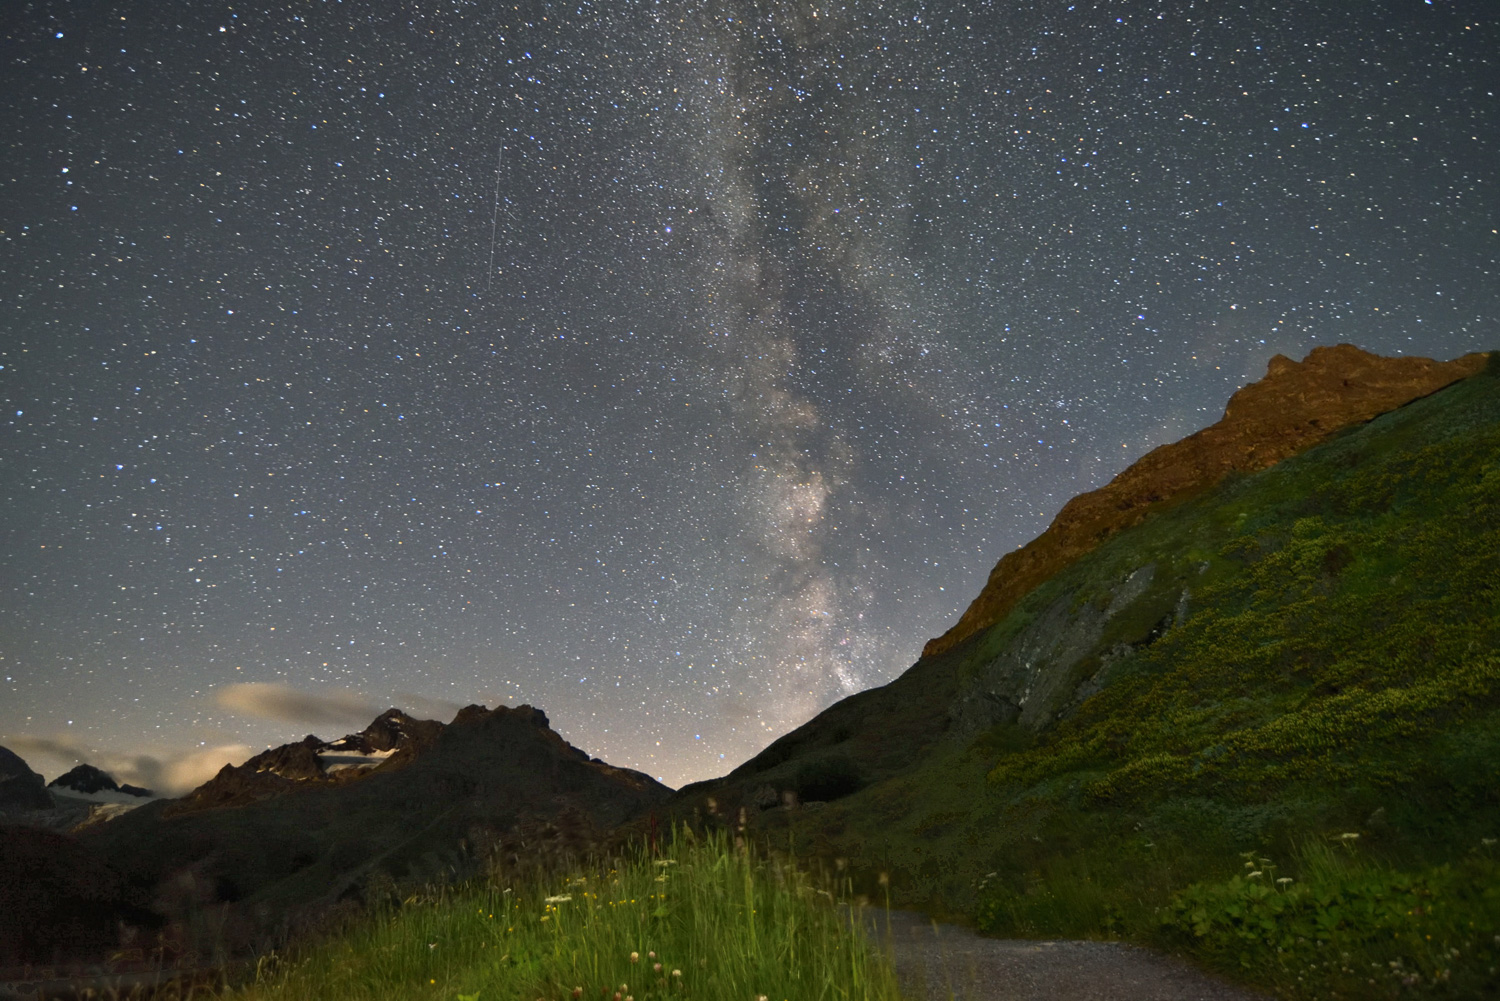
(677,368)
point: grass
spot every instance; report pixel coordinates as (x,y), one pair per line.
(1337,672)
(709,919)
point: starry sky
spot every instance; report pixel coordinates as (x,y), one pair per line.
(679,368)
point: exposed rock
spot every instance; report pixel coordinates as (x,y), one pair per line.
(1293,408)
(20,787)
(1046,668)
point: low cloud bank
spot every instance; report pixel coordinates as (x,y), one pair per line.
(337,707)
(170,774)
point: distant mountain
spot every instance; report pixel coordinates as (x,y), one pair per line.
(20,787)
(86,780)
(1242,643)
(392,740)
(304,826)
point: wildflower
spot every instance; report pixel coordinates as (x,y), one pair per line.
(678,973)
(1284,880)
(561,898)
(662,863)
(432,945)
(1487,842)
(655,967)
(1350,836)
(635,957)
(1255,874)
(885,878)
(650,955)
(761,997)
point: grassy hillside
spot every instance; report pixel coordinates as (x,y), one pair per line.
(1281,752)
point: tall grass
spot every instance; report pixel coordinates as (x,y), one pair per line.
(708,920)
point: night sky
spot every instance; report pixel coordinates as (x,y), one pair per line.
(679,368)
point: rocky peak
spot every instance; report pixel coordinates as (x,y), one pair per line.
(87,779)
(392,741)
(1295,406)
(392,730)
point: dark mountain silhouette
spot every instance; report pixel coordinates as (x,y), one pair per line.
(20,787)
(312,826)
(87,779)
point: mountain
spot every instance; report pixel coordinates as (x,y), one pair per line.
(1238,646)
(20,787)
(392,740)
(88,781)
(305,826)
(976,677)
(1294,407)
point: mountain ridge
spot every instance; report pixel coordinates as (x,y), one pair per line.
(1293,407)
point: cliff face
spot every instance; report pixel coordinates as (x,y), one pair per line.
(1295,406)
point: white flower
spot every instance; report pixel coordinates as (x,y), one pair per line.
(561,898)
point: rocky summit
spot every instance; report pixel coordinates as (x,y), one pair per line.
(88,780)
(392,740)
(1295,406)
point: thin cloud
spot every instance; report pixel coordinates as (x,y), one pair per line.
(283,704)
(422,707)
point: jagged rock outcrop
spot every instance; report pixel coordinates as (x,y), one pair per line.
(20,787)
(1295,406)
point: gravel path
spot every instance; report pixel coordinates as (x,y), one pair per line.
(938,962)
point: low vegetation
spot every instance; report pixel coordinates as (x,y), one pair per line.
(706,919)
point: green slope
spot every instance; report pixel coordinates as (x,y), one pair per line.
(1297,656)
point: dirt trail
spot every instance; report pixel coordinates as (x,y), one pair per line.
(943,961)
